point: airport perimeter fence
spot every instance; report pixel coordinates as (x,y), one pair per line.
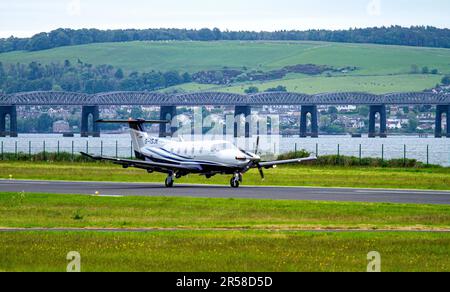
(425,153)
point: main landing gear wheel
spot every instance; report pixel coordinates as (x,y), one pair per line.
(169,182)
(234,182)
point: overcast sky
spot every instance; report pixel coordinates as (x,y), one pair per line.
(26,17)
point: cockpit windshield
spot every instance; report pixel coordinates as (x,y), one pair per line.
(223,145)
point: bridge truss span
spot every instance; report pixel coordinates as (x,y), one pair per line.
(417,98)
(210,98)
(221,99)
(51,98)
(282,98)
(132,98)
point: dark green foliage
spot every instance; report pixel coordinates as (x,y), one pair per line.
(252,89)
(294,155)
(334,160)
(349,161)
(48,157)
(279,88)
(446,80)
(420,36)
(82,77)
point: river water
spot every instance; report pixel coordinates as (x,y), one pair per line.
(436,151)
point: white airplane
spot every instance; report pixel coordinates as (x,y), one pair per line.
(179,158)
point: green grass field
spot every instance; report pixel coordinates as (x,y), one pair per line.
(196,56)
(237,235)
(53,211)
(183,251)
(382,69)
(358,177)
(313,85)
(372,84)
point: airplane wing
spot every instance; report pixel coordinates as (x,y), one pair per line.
(148,165)
(271,164)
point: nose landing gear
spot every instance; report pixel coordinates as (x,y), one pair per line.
(170,181)
(236,180)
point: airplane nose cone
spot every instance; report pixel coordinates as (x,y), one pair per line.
(255,157)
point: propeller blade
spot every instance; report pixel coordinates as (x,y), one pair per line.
(261,172)
(257,146)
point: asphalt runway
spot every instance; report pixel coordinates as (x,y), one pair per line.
(204,191)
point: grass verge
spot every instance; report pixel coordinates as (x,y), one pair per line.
(75,211)
(224,251)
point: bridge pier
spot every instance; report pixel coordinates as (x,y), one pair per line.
(10,111)
(86,112)
(440,110)
(312,110)
(168,113)
(380,109)
(247,112)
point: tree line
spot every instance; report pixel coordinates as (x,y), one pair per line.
(421,36)
(82,77)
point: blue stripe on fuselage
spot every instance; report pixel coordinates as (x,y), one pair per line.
(187,159)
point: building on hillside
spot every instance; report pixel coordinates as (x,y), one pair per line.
(346,108)
(61,127)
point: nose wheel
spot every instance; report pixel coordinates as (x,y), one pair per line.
(234,183)
(236,180)
(169,181)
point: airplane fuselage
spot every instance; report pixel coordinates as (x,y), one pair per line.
(212,157)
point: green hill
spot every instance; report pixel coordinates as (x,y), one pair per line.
(390,64)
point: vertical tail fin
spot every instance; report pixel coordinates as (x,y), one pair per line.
(138,134)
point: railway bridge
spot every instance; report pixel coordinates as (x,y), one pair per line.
(90,104)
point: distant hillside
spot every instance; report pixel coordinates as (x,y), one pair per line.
(226,65)
(193,57)
(419,36)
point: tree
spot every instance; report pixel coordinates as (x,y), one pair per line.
(434,71)
(187,78)
(217,34)
(279,88)
(119,74)
(39,42)
(332,110)
(425,70)
(34,71)
(414,69)
(44,123)
(205,34)
(59,38)
(137,113)
(252,89)
(363,111)
(172,78)
(446,80)
(413,123)
(2,74)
